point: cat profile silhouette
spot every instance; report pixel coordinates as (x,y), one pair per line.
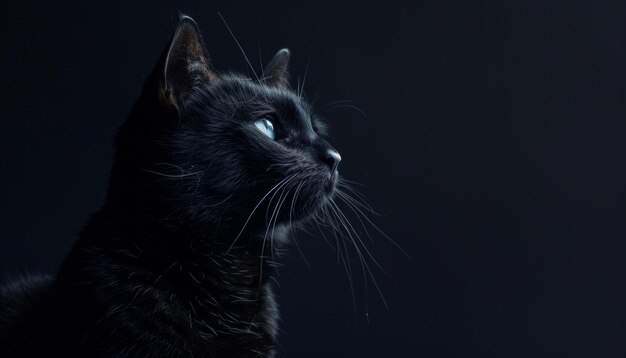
(211,172)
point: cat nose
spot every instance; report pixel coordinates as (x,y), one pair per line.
(332,158)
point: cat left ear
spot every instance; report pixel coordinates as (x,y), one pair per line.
(276,72)
(186,64)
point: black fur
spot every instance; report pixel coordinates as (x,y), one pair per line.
(177,261)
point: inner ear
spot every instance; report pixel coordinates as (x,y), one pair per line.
(186,63)
(276,72)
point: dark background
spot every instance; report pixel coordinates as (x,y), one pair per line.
(493,146)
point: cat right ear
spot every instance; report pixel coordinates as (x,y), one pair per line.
(185,64)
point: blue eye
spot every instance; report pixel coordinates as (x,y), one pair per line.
(265,126)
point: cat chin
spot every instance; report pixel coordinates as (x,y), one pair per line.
(309,210)
(305,210)
(315,194)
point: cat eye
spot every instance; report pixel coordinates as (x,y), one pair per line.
(266,126)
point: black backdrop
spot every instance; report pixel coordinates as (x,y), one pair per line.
(493,146)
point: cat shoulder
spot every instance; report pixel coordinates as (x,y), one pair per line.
(20,293)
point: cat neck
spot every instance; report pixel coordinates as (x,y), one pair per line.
(190,264)
(218,290)
(165,242)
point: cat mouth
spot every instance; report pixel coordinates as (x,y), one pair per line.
(331,182)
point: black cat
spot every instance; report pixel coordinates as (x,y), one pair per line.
(210,173)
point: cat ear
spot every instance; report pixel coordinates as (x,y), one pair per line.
(186,63)
(276,72)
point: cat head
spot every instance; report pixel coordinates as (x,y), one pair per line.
(203,147)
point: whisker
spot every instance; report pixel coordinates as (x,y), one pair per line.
(306,71)
(274,217)
(380,231)
(350,205)
(361,260)
(321,231)
(358,237)
(338,102)
(358,198)
(348,106)
(344,258)
(254,210)
(345,220)
(239,45)
(294,238)
(183,175)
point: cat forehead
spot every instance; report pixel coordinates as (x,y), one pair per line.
(244,90)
